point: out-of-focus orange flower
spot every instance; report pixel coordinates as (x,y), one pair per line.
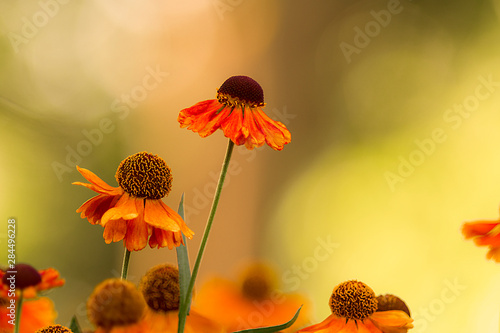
(160,288)
(252,302)
(238,112)
(116,306)
(29,280)
(485,233)
(354,309)
(36,314)
(134,211)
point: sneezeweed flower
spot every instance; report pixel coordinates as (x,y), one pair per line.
(161,290)
(354,309)
(54,329)
(389,302)
(134,211)
(485,233)
(37,313)
(237,110)
(253,301)
(29,280)
(116,306)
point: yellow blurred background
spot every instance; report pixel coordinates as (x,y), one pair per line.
(393,108)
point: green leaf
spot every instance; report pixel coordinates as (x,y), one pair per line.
(184,271)
(74,325)
(276,328)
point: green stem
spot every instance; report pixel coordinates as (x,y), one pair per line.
(18,312)
(126,258)
(215,202)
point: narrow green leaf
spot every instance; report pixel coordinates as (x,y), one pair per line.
(276,328)
(184,271)
(74,326)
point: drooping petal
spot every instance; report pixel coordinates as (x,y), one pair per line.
(491,240)
(256,137)
(494,253)
(94,208)
(138,230)
(115,231)
(393,321)
(96,184)
(156,216)
(125,208)
(233,128)
(203,117)
(332,324)
(162,238)
(479,228)
(180,222)
(277,135)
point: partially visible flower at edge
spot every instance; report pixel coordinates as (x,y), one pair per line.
(251,302)
(354,309)
(54,329)
(161,290)
(49,278)
(134,211)
(485,233)
(237,110)
(36,314)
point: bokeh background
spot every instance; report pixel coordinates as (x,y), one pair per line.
(393,108)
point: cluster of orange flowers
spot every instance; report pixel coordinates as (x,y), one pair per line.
(133,212)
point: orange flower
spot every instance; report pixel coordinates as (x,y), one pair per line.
(238,112)
(116,306)
(29,280)
(160,287)
(485,233)
(252,302)
(354,309)
(134,211)
(36,314)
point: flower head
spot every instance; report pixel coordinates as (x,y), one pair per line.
(161,290)
(134,211)
(236,303)
(116,304)
(29,280)
(37,313)
(237,110)
(54,329)
(485,233)
(355,309)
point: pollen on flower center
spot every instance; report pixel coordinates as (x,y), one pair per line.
(160,288)
(353,300)
(241,90)
(144,175)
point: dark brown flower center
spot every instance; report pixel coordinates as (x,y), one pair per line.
(54,329)
(144,175)
(390,302)
(160,288)
(259,281)
(241,91)
(353,300)
(115,302)
(23,276)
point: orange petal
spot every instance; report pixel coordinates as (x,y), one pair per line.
(393,321)
(203,117)
(115,231)
(493,241)
(95,207)
(331,324)
(233,127)
(156,216)
(97,184)
(256,137)
(138,231)
(125,208)
(494,253)
(479,228)
(277,135)
(175,216)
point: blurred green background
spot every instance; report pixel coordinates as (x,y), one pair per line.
(393,108)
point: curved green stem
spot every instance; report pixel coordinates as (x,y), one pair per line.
(126,258)
(215,202)
(18,312)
